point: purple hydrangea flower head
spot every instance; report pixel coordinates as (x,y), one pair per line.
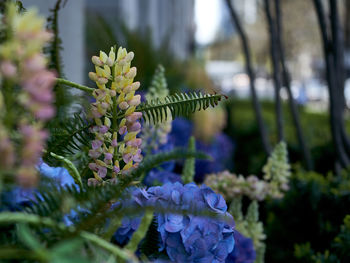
(244,250)
(191,238)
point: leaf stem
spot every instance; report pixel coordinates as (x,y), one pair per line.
(74,85)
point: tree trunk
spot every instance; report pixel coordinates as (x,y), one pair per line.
(335,118)
(286,82)
(276,69)
(246,51)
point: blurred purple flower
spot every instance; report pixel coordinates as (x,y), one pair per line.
(221,149)
(244,250)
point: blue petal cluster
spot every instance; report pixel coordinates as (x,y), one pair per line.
(221,148)
(17,198)
(244,250)
(187,238)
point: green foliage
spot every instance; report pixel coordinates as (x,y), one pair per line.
(180,104)
(243,128)
(323,202)
(69,138)
(188,170)
(159,86)
(277,170)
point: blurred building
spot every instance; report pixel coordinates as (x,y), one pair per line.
(71,22)
(166,20)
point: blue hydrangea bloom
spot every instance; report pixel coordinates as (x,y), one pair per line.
(190,238)
(181,131)
(59,175)
(18,198)
(244,250)
(220,148)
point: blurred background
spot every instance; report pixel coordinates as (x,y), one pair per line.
(284,65)
(199,45)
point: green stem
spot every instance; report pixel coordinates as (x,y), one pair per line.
(74,85)
(123,254)
(18,217)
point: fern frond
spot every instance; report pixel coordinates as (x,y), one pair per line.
(68,137)
(179,104)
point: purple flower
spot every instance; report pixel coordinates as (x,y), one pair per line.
(244,250)
(96,144)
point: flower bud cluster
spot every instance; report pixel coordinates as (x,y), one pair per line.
(23,63)
(275,182)
(277,171)
(232,186)
(116,147)
(156,135)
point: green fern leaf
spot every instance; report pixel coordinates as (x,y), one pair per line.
(68,137)
(179,104)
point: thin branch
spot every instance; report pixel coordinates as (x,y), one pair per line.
(246,51)
(334,117)
(276,70)
(286,81)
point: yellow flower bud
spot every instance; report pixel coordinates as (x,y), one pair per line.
(93,76)
(130,136)
(122,122)
(101,163)
(97,61)
(129,56)
(129,95)
(130,111)
(107,122)
(131,73)
(135,85)
(121,148)
(103,56)
(102,80)
(127,166)
(111,54)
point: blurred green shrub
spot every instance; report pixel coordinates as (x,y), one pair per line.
(243,128)
(309,218)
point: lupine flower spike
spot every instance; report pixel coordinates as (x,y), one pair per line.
(116,148)
(23,63)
